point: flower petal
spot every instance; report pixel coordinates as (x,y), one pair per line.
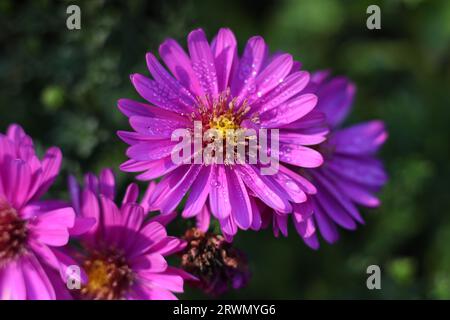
(241,206)
(203,62)
(265,188)
(300,156)
(179,64)
(289,111)
(219,197)
(272,75)
(158,94)
(361,139)
(224,50)
(198,194)
(251,62)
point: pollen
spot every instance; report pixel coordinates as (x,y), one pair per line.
(13,235)
(223,123)
(109,277)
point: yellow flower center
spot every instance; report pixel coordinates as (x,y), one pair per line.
(109,277)
(223,123)
(98,275)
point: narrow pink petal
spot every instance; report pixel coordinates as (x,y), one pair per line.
(228,226)
(91,182)
(166,280)
(265,188)
(132,216)
(219,197)
(133,108)
(131,194)
(155,128)
(303,220)
(336,98)
(272,75)
(168,246)
(224,50)
(16,182)
(150,151)
(361,139)
(12,283)
(162,188)
(149,263)
(289,111)
(90,209)
(359,194)
(112,218)
(179,64)
(256,212)
(164,219)
(199,193)
(327,227)
(293,85)
(51,163)
(280,223)
(334,211)
(301,139)
(16,133)
(291,187)
(203,62)
(145,201)
(312,241)
(150,235)
(162,76)
(37,282)
(107,183)
(307,186)
(82,225)
(362,170)
(74,190)
(178,189)
(300,156)
(203,219)
(135,166)
(158,94)
(332,191)
(250,64)
(158,168)
(241,207)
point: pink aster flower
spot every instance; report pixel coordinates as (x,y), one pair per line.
(30,229)
(221,90)
(123,254)
(351,173)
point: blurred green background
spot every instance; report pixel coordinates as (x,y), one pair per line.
(62,86)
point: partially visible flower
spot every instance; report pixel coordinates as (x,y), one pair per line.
(221,91)
(30,229)
(351,173)
(214,261)
(123,254)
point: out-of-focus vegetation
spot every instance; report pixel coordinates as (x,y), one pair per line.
(62,86)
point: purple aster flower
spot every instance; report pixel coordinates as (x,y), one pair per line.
(123,254)
(351,173)
(30,229)
(222,91)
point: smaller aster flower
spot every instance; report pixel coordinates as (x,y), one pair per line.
(215,262)
(31,229)
(123,255)
(351,173)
